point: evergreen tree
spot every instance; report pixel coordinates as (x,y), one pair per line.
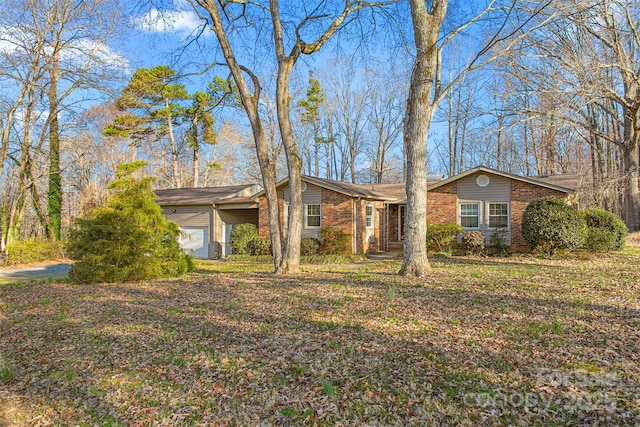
(128,238)
(152,106)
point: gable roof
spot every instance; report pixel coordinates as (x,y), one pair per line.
(204,195)
(365,191)
(566,183)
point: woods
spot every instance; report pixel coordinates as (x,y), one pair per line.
(362,92)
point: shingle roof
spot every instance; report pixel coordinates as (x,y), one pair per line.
(202,195)
(568,181)
(366,191)
(565,183)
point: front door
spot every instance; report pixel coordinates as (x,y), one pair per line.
(402,219)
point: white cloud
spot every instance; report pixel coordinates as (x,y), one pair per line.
(78,53)
(182,23)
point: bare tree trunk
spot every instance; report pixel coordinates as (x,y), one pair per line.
(196,169)
(250,102)
(174,150)
(54,197)
(418,118)
(291,256)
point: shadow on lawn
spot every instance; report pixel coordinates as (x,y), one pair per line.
(132,351)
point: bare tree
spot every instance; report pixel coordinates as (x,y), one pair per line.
(349,109)
(595,45)
(303,32)
(426,91)
(57,48)
(384,119)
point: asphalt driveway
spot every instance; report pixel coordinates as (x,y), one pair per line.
(35,272)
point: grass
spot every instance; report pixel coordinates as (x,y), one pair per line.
(482,341)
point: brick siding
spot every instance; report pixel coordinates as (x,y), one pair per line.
(337,211)
(442,204)
(523,193)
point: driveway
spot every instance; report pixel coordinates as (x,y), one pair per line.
(35,271)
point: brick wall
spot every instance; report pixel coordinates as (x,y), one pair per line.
(442,204)
(365,244)
(337,211)
(263,212)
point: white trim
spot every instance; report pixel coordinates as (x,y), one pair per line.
(368,217)
(482,180)
(286,215)
(488,214)
(401,220)
(306,215)
(478,216)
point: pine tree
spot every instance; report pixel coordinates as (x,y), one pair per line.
(128,238)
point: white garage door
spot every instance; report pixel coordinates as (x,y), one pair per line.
(195,241)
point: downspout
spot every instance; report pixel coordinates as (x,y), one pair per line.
(386,227)
(354,245)
(213,243)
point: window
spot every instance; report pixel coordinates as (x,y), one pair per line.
(312,217)
(286,215)
(402,220)
(369,215)
(470,215)
(499,215)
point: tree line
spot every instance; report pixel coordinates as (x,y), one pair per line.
(525,87)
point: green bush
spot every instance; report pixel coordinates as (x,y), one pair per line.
(605,230)
(29,251)
(334,241)
(549,224)
(309,259)
(260,245)
(473,242)
(241,237)
(441,236)
(128,238)
(309,246)
(498,242)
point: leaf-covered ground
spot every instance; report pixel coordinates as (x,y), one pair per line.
(483,341)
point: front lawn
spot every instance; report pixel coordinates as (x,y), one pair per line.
(483,341)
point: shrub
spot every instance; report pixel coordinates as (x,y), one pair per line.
(334,241)
(309,246)
(28,251)
(549,224)
(498,242)
(241,237)
(440,236)
(260,245)
(128,238)
(473,242)
(605,230)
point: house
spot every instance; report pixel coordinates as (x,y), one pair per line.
(206,215)
(486,200)
(358,209)
(374,215)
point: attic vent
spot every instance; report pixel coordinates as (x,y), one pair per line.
(482,180)
(303,187)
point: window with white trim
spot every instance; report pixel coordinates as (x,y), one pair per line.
(498,215)
(286,215)
(312,216)
(369,215)
(470,215)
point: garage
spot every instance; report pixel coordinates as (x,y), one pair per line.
(195,241)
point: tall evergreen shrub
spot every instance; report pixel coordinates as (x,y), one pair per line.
(128,238)
(241,237)
(606,231)
(549,224)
